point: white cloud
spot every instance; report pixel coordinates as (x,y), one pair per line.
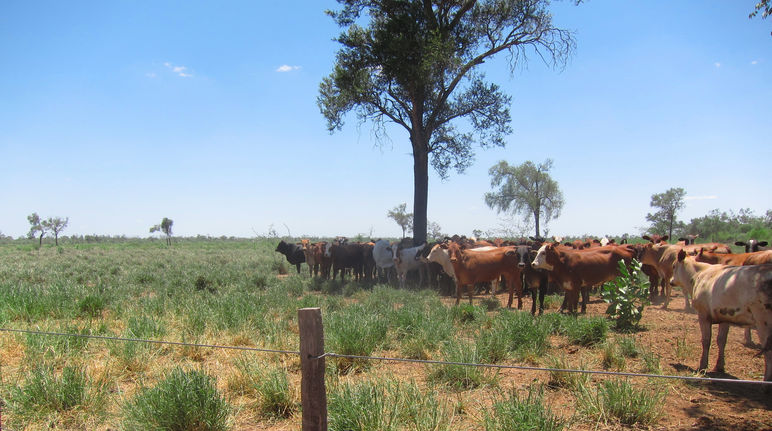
(717,64)
(151,75)
(179,70)
(287,68)
(754,62)
(700,198)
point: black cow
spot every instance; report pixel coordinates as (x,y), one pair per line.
(347,255)
(752,245)
(533,279)
(293,253)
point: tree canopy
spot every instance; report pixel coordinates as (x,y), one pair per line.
(669,203)
(403,218)
(526,189)
(415,63)
(166,228)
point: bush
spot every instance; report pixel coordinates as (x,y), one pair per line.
(627,296)
(515,413)
(184,400)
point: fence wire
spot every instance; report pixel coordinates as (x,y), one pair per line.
(392,359)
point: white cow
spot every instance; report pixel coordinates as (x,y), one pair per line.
(728,295)
(384,258)
(405,260)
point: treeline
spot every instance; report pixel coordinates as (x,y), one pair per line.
(722,226)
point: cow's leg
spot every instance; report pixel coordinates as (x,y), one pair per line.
(297,266)
(518,287)
(459,289)
(723,331)
(748,337)
(705,332)
(585,298)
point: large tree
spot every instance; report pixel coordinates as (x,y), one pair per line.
(415,63)
(668,204)
(166,228)
(526,189)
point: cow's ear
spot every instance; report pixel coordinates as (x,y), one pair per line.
(665,238)
(587,245)
(763,243)
(740,243)
(681,255)
(646,237)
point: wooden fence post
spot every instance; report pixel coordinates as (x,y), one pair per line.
(313,394)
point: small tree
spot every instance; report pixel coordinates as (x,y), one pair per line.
(526,189)
(55,225)
(403,218)
(36,227)
(166,228)
(669,203)
(627,296)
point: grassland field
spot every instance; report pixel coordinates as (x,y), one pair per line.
(230,292)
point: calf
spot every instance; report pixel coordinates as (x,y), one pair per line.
(308,252)
(752,245)
(728,295)
(475,266)
(293,253)
(573,269)
(661,257)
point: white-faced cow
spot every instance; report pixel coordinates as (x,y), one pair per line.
(752,245)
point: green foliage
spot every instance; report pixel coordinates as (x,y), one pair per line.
(513,333)
(91,306)
(184,400)
(526,189)
(627,295)
(522,413)
(618,401)
(387,405)
(669,203)
(355,331)
(403,218)
(723,226)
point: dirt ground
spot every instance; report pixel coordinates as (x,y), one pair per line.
(671,334)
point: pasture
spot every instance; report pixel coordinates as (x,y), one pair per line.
(229,292)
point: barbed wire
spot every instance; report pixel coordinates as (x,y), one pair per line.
(393,359)
(563,370)
(139,340)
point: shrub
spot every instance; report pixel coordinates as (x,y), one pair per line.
(612,357)
(184,400)
(628,347)
(466,313)
(515,413)
(627,296)
(618,400)
(516,333)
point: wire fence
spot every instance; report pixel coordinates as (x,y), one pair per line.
(393,359)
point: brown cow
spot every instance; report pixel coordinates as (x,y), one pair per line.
(474,266)
(728,295)
(661,257)
(577,268)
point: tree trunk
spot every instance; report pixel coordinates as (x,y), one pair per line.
(56,239)
(420,186)
(40,240)
(536,222)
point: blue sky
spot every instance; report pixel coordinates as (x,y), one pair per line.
(117,114)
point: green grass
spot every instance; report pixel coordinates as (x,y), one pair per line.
(184,400)
(460,377)
(526,412)
(617,401)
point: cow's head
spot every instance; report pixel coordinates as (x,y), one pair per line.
(454,252)
(752,245)
(524,256)
(543,259)
(680,276)
(656,238)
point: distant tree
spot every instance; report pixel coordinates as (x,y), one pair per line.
(55,225)
(669,203)
(36,227)
(764,7)
(403,218)
(166,228)
(415,63)
(525,189)
(434,231)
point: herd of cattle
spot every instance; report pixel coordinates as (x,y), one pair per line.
(723,288)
